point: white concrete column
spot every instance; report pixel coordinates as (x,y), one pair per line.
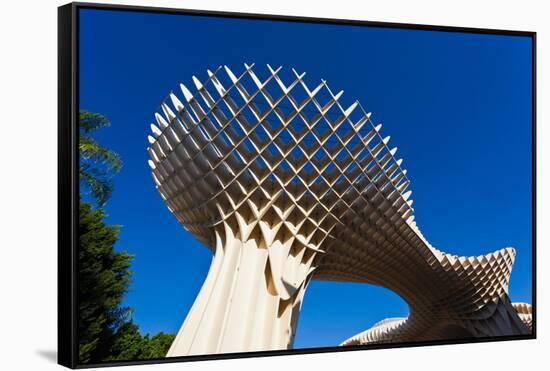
(252,295)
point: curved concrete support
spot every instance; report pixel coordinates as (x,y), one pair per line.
(498,318)
(525,313)
(469,300)
(251,297)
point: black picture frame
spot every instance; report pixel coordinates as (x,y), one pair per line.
(68,185)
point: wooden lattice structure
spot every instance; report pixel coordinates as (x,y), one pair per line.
(286,184)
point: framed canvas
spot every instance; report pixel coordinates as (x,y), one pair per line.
(228,186)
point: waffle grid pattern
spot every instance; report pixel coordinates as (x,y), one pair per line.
(285,184)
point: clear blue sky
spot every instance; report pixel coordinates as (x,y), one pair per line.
(458,106)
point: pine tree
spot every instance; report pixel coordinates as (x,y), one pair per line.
(103,279)
(105,329)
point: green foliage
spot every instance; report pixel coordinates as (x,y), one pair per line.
(158,345)
(105,329)
(130,344)
(90,121)
(97,163)
(103,279)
